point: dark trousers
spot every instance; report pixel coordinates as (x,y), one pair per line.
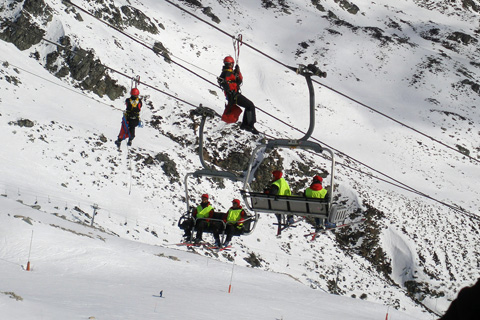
(229,231)
(200,226)
(279,218)
(249,117)
(132,124)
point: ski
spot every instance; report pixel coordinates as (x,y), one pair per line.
(183,244)
(316,233)
(291,225)
(227,248)
(215,248)
(193,244)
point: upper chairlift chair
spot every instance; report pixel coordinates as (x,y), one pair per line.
(295,205)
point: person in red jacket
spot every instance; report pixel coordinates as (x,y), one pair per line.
(202,214)
(131,116)
(317,191)
(230,80)
(279,186)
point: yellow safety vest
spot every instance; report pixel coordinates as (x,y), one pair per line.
(233,215)
(310,193)
(203,212)
(283,187)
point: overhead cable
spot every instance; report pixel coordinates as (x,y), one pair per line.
(404,186)
(328,87)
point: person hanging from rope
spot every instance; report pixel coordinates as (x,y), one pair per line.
(131,118)
(230,80)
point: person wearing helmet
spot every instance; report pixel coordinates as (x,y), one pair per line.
(280,187)
(317,191)
(131,116)
(201,214)
(230,80)
(234,220)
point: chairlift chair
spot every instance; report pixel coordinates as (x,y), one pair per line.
(295,205)
(250,220)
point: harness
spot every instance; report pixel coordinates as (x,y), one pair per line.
(134,112)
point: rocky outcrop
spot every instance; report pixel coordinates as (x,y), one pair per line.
(21,32)
(82,66)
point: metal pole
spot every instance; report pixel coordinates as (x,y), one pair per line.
(200,146)
(95,207)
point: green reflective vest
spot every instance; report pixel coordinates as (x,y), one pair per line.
(203,212)
(309,193)
(233,215)
(283,187)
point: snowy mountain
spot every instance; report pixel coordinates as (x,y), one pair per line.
(399,107)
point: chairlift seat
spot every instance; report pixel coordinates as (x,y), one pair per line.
(295,205)
(308,207)
(218,219)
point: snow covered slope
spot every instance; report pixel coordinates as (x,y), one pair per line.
(413,61)
(78,272)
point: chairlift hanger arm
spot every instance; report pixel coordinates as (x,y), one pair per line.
(204,112)
(309,71)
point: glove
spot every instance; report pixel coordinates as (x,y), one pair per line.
(237,69)
(221,82)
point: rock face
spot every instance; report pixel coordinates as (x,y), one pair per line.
(138,19)
(21,32)
(29,26)
(83,67)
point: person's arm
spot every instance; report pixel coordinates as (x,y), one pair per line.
(238,75)
(210,214)
(222,81)
(194,213)
(242,218)
(274,190)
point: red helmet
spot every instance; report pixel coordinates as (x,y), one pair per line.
(134,92)
(317,178)
(277,174)
(236,201)
(205,195)
(228,59)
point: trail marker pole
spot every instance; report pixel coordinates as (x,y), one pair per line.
(231,277)
(29,252)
